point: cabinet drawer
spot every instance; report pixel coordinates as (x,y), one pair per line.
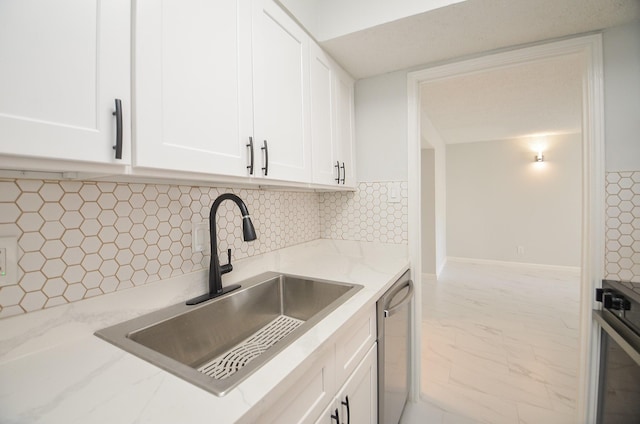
(353,344)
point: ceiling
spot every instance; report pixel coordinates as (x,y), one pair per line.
(472,27)
(519,101)
(543,97)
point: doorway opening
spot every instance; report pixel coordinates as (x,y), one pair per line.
(592,169)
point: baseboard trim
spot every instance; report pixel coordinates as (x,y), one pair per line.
(574,269)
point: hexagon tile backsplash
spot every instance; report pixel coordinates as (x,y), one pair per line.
(82,239)
(366,214)
(622,258)
(79,239)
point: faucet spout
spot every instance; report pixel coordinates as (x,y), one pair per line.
(215,269)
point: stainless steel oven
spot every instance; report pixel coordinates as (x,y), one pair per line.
(619,375)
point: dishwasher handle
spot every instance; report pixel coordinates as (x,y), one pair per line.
(390,311)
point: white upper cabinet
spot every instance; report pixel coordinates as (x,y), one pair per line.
(343,90)
(193,89)
(62,65)
(280,84)
(332,127)
(323,138)
(222,90)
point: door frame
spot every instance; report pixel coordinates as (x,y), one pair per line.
(593,190)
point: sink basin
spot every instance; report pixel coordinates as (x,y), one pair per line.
(217,344)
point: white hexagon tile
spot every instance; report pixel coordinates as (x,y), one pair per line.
(82,239)
(79,239)
(622,258)
(366,214)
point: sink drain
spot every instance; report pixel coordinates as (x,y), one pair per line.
(231,361)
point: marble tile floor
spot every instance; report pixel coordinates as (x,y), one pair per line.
(500,345)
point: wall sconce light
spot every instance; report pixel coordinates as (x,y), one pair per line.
(539,157)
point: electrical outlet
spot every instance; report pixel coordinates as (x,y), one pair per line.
(8,261)
(394,192)
(199,237)
(520,251)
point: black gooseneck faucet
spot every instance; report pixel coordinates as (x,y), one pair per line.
(215,269)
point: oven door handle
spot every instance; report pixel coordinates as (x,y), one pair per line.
(624,337)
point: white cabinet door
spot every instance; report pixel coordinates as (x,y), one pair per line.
(308,396)
(331,415)
(332,121)
(193,85)
(281,107)
(323,142)
(344,126)
(62,65)
(358,399)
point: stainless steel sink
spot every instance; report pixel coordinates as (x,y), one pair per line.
(217,344)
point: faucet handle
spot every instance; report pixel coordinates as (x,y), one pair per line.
(227,267)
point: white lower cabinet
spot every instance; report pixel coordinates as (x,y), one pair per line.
(356,402)
(342,379)
(306,398)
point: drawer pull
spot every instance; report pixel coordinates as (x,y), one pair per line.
(118,114)
(336,417)
(345,402)
(265,168)
(250,146)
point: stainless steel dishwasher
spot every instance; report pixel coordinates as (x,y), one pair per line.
(394,318)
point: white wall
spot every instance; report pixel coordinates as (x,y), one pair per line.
(621,47)
(386,94)
(431,138)
(381,113)
(381,127)
(428,210)
(498,198)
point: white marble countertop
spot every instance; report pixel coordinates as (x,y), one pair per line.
(54,370)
